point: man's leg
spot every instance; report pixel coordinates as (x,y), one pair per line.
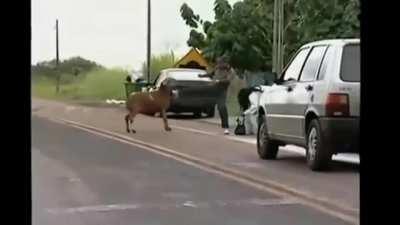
(223,112)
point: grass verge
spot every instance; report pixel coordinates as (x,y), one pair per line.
(95,86)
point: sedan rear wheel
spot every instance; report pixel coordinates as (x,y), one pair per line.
(318,153)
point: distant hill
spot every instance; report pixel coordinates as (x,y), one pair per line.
(74,66)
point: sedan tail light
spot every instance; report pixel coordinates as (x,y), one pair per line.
(337,105)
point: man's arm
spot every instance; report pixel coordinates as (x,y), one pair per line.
(229,77)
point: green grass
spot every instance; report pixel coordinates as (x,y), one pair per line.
(233,107)
(102,85)
(97,85)
(45,88)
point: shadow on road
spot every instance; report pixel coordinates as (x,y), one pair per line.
(184,116)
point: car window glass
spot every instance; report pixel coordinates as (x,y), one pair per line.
(325,63)
(312,64)
(350,69)
(188,75)
(293,71)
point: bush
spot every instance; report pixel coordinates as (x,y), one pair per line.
(232,100)
(72,66)
(158,63)
(103,84)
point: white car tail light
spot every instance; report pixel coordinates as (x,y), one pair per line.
(337,105)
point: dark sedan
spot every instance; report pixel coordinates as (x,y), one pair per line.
(193,94)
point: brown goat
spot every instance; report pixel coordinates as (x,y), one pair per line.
(149,103)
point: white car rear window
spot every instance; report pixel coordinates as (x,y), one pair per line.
(187,75)
(351,65)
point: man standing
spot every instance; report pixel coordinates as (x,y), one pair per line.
(222,76)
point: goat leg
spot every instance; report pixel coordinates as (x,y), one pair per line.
(164,116)
(127,119)
(132,115)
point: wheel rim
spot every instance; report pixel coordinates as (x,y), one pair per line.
(312,144)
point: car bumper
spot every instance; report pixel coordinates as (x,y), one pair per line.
(342,134)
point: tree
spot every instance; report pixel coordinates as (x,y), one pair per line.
(158,63)
(315,20)
(78,65)
(244,31)
(240,32)
(72,66)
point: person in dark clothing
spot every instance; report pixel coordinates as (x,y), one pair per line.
(243,97)
(222,76)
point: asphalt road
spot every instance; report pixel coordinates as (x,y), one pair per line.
(81,178)
(338,188)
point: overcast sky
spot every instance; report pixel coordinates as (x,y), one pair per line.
(111,32)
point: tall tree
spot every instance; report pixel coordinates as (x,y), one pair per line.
(72,66)
(241,32)
(316,19)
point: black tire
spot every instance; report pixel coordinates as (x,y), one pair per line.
(266,148)
(318,152)
(210,112)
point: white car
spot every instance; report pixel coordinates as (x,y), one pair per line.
(315,103)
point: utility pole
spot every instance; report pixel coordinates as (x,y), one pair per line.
(57,60)
(278,37)
(148,40)
(173,56)
(275,38)
(282,35)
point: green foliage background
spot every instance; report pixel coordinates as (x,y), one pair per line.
(244,31)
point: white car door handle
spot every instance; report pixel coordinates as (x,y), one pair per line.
(309,87)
